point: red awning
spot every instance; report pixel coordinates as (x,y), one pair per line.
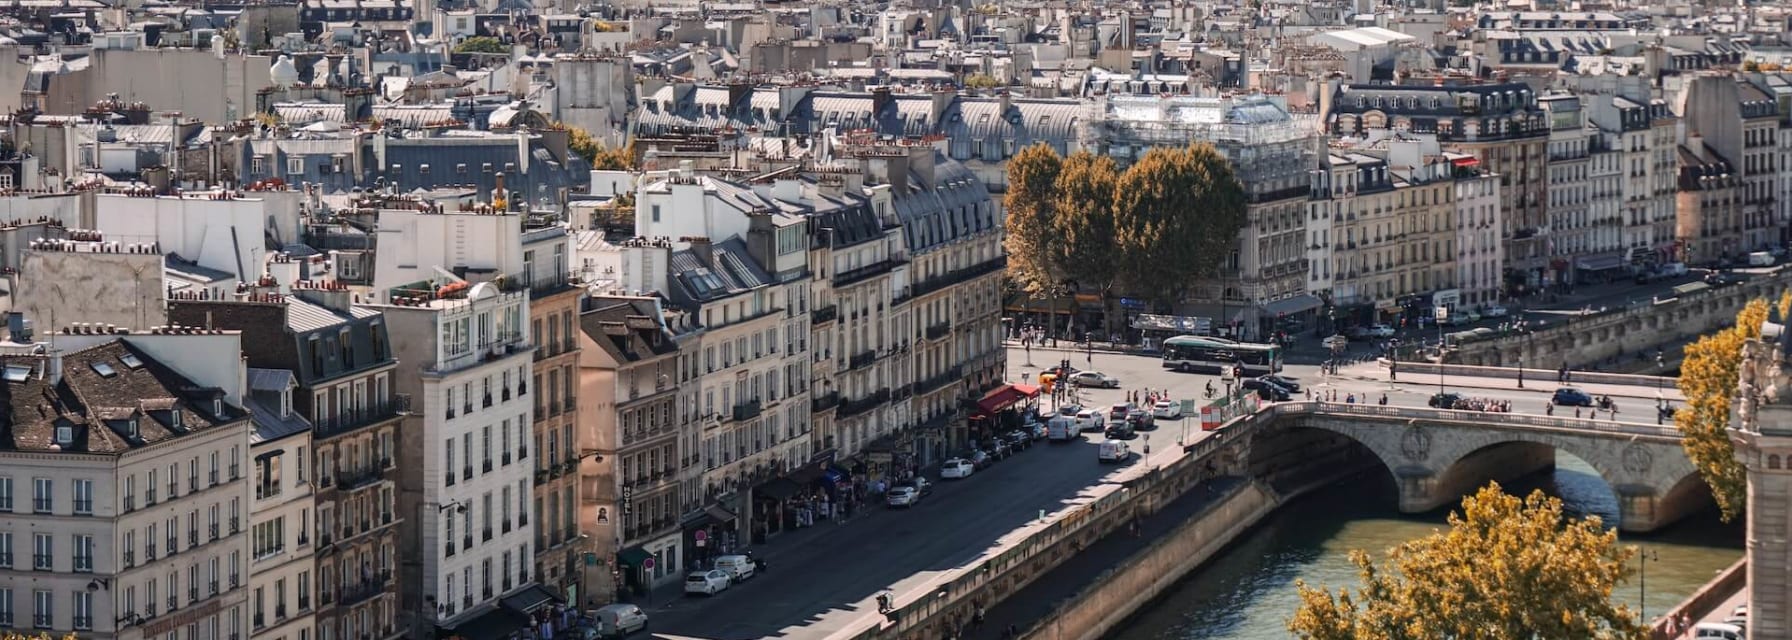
(1004,397)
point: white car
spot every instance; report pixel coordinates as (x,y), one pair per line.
(1166,410)
(1095,380)
(1496,311)
(1381,331)
(708,583)
(957,468)
(902,497)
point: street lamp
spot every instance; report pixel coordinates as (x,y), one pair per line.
(1661,398)
(1521,370)
(1442,314)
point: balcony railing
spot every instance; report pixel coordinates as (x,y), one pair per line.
(350,480)
(940,330)
(824,402)
(861,360)
(861,274)
(372,586)
(942,281)
(344,423)
(861,405)
(747,410)
(944,378)
(828,313)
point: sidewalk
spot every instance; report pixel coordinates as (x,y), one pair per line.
(1038,600)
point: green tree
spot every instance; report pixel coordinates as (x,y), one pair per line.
(1084,225)
(580,142)
(1178,213)
(1506,569)
(481,44)
(981,81)
(1031,206)
(1708,378)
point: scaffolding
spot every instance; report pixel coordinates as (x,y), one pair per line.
(1268,146)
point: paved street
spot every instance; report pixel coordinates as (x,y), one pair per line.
(824,577)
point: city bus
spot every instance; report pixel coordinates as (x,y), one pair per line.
(1189,353)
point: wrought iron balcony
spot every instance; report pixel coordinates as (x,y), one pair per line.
(824,402)
(862,359)
(942,379)
(371,586)
(747,410)
(939,330)
(861,274)
(861,405)
(828,313)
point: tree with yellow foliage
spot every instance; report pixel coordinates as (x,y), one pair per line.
(1708,378)
(580,142)
(1506,569)
(41,635)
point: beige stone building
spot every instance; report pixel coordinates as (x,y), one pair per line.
(553,318)
(126,509)
(629,368)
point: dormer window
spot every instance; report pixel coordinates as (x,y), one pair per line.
(65,435)
(286,402)
(217,407)
(130,428)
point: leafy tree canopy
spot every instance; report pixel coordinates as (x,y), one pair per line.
(1506,569)
(1708,378)
(481,44)
(581,143)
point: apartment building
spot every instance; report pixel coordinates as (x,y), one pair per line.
(1392,238)
(338,501)
(126,509)
(841,319)
(1498,123)
(282,566)
(630,368)
(553,320)
(1479,251)
(1735,123)
(1586,230)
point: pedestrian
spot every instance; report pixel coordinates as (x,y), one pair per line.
(977,618)
(1549,408)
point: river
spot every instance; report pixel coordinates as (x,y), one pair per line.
(1248,592)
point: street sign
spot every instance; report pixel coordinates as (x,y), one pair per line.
(1188,408)
(700,536)
(1443,313)
(647,563)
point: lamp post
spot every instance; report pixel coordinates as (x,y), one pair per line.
(427,607)
(1521,370)
(1661,398)
(1441,314)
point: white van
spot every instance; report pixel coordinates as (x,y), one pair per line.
(1760,259)
(619,620)
(1113,451)
(1091,420)
(1061,429)
(1717,631)
(739,568)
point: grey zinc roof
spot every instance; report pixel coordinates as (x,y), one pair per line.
(264,413)
(730,272)
(302,316)
(270,379)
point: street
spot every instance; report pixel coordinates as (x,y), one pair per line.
(821,578)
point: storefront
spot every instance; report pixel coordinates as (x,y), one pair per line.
(707,532)
(1001,409)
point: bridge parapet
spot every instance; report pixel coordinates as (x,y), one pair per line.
(1436,456)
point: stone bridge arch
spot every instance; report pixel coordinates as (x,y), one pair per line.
(1435,461)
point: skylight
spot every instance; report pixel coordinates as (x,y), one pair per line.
(130,360)
(105,370)
(17,373)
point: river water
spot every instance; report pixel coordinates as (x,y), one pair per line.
(1248,592)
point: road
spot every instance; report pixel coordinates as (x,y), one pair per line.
(823,578)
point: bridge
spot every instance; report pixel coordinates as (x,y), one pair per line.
(1437,456)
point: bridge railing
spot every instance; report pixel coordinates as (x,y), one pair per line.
(1270,412)
(1540,376)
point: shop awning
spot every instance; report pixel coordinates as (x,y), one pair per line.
(1296,304)
(778,489)
(835,475)
(1004,397)
(720,513)
(534,598)
(1600,263)
(633,556)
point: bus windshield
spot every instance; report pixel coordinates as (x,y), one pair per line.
(1190,353)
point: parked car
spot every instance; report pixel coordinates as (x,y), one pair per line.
(1285,383)
(920,484)
(1016,440)
(1496,311)
(708,583)
(740,568)
(1444,400)
(1121,430)
(1717,631)
(618,620)
(1095,380)
(1036,430)
(901,496)
(1113,451)
(1142,420)
(980,460)
(1571,397)
(1267,390)
(1062,429)
(996,448)
(956,468)
(1070,410)
(1167,410)
(1380,331)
